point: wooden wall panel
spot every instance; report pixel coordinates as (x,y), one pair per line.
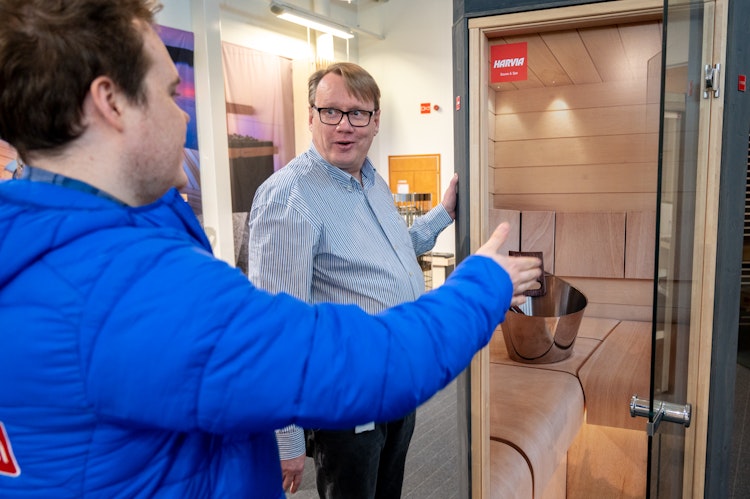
(638,292)
(614,93)
(538,234)
(627,291)
(622,299)
(592,122)
(495,217)
(621,311)
(628,148)
(639,245)
(576,202)
(588,147)
(590,244)
(572,179)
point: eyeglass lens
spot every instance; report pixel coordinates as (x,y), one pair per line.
(333,116)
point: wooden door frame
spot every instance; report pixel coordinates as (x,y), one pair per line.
(705,258)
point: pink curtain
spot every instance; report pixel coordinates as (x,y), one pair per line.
(259,94)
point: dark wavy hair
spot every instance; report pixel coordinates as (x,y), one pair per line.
(51,51)
(358,82)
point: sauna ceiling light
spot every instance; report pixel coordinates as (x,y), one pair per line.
(309,20)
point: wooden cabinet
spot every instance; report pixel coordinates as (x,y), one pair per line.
(420,171)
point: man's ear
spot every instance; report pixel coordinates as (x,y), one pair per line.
(107,101)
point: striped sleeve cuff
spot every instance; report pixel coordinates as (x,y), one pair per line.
(291,442)
(427,227)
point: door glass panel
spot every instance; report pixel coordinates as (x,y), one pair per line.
(674,283)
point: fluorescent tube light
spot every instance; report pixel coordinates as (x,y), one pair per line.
(309,20)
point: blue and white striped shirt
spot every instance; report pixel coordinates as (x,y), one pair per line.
(318,234)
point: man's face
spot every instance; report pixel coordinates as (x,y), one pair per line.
(159,125)
(342,145)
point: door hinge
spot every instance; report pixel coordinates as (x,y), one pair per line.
(711,79)
(663,411)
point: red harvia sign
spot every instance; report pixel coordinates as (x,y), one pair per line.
(8,464)
(508,62)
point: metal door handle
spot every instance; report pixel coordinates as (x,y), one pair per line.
(711,79)
(667,411)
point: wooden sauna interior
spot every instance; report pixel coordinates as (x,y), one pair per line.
(572,159)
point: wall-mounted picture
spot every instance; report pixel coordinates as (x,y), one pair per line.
(180,45)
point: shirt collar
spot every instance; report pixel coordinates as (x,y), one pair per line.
(40,175)
(343,178)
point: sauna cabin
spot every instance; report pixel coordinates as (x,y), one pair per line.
(589,131)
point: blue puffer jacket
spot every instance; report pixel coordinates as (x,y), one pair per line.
(135,364)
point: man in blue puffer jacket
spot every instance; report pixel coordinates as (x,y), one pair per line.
(134,363)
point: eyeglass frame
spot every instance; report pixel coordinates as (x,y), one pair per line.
(344,113)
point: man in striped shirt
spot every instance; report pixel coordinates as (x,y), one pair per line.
(325,229)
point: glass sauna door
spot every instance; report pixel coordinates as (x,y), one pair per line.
(683,284)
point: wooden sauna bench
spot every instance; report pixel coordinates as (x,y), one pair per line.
(537,412)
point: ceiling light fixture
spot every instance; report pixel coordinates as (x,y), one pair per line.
(309,20)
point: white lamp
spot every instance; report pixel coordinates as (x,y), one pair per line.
(309,20)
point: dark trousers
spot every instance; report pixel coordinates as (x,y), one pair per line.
(367,465)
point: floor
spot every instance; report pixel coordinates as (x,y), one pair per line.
(432,462)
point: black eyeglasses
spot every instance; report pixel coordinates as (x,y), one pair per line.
(333,116)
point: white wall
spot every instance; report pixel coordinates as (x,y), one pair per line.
(412,64)
(175,14)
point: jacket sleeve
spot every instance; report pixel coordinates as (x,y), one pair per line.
(189,344)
